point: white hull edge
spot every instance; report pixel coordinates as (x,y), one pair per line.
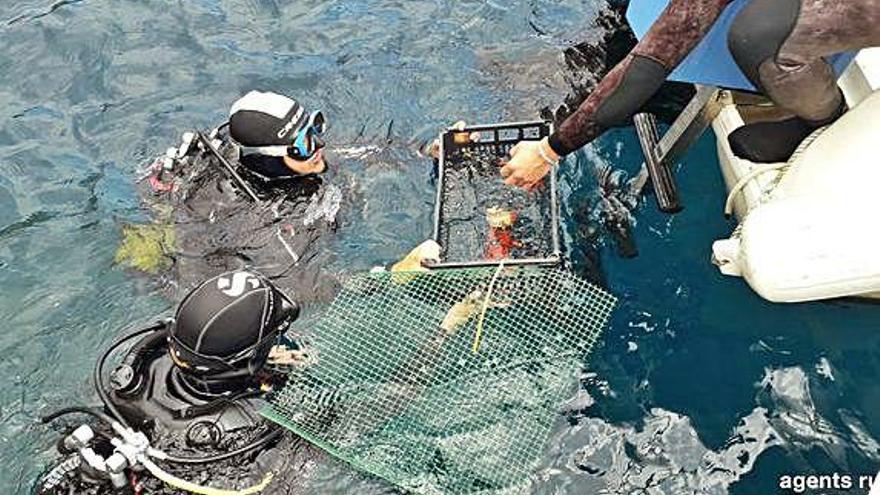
(807,233)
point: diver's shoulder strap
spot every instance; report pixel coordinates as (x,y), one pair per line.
(214,406)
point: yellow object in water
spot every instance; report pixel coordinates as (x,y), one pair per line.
(146,247)
(283,355)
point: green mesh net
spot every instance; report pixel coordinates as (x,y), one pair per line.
(444,382)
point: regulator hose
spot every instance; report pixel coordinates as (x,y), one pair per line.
(78,410)
(182,484)
(126,377)
(56,476)
(260,442)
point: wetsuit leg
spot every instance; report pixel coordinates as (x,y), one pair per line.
(780,45)
(681,26)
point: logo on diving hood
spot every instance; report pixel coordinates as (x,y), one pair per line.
(237,285)
(289,126)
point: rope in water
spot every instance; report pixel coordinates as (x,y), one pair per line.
(478,333)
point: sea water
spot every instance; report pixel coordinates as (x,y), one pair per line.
(698,387)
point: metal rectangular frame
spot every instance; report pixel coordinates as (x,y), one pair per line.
(446,139)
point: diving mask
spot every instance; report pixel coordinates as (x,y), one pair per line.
(309,139)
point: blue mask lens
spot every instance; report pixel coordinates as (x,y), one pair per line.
(317,122)
(306,142)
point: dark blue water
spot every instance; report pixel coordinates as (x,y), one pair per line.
(699,386)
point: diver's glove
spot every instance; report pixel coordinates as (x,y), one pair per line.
(426,252)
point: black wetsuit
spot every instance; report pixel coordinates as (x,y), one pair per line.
(217,227)
(778,44)
(188,419)
(184,422)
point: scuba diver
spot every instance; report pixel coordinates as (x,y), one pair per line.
(186,396)
(181,409)
(778,44)
(249,193)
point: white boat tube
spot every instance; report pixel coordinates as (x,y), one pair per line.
(806,227)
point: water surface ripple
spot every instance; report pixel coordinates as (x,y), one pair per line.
(699,386)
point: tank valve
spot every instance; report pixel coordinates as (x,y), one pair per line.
(116,465)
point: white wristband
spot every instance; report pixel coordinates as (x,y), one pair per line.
(546,158)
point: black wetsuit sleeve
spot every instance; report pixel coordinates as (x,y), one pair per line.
(637,77)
